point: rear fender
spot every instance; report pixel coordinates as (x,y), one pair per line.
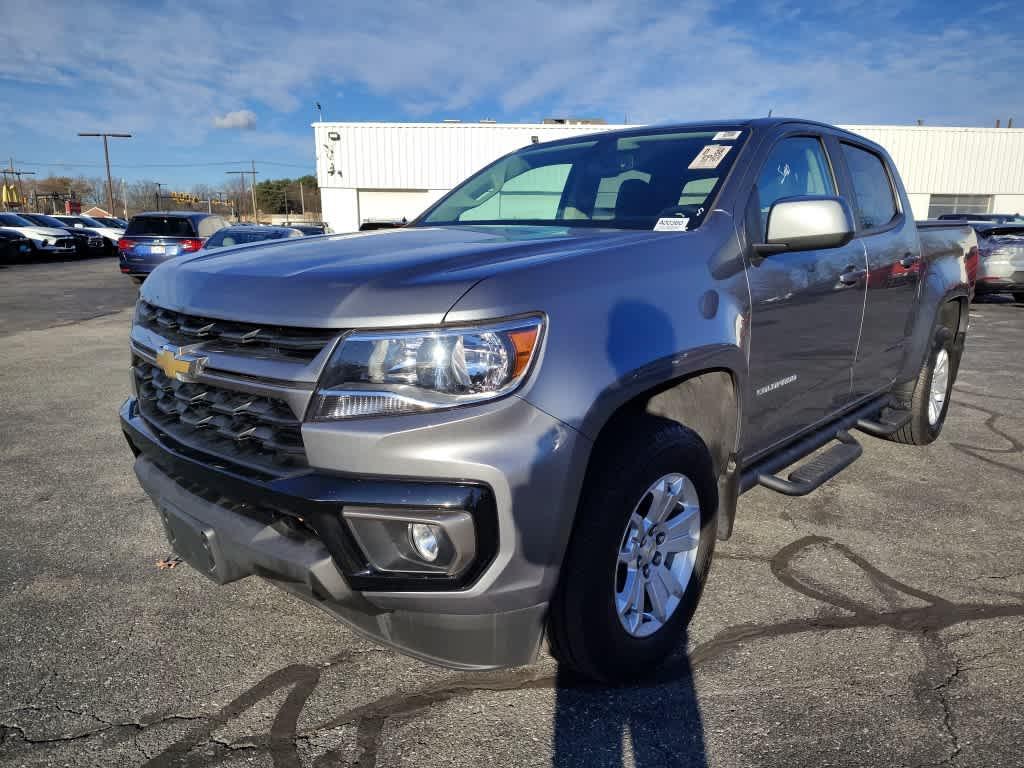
(944,282)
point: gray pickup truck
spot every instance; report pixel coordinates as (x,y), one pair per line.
(531,412)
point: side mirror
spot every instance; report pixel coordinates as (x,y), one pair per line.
(807,224)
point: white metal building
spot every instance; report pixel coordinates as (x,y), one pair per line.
(388,171)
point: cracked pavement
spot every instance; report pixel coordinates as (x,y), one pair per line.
(877,622)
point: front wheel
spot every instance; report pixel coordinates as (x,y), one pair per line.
(639,554)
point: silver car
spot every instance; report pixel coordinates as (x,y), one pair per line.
(1001,259)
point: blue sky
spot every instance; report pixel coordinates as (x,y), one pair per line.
(203,86)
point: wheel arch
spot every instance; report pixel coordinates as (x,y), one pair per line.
(706,401)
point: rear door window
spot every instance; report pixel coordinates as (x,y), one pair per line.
(160,226)
(873,197)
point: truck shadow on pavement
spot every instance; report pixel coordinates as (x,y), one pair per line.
(661,716)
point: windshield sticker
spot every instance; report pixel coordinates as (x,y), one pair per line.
(676,224)
(709,157)
(726,136)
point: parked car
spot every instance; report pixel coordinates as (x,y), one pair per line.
(311,228)
(48,241)
(153,238)
(15,246)
(110,221)
(87,242)
(530,414)
(992,218)
(369,225)
(110,235)
(240,235)
(1001,269)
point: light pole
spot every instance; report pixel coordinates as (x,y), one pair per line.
(159,194)
(106,157)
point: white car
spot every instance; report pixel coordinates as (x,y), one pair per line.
(48,240)
(110,234)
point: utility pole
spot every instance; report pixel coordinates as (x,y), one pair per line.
(17,174)
(255,218)
(241,201)
(124,200)
(159,194)
(106,157)
(302,200)
(255,215)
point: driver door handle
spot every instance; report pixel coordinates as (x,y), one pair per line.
(852,276)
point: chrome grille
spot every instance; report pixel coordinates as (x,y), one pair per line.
(259,432)
(183,329)
(64,242)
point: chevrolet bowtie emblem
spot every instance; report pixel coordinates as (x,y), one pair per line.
(179,365)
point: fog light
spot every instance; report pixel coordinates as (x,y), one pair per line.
(425,540)
(440,542)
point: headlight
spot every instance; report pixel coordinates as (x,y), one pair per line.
(398,372)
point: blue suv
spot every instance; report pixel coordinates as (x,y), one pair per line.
(153,238)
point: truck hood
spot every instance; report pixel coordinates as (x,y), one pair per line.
(388,278)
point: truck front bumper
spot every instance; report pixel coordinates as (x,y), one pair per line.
(219,521)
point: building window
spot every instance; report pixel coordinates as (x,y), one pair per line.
(940,204)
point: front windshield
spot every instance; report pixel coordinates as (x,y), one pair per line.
(13,220)
(633,182)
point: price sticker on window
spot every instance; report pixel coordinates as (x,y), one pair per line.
(709,157)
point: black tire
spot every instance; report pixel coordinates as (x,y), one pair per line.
(584,629)
(914,395)
(139,280)
(1018,297)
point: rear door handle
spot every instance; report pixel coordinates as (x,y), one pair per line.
(909,260)
(852,277)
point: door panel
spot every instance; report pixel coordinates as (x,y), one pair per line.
(894,266)
(804,327)
(806,309)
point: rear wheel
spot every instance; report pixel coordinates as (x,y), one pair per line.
(1018,297)
(927,397)
(639,555)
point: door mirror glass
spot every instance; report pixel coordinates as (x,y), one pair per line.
(808,224)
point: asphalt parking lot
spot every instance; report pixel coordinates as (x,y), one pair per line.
(877,622)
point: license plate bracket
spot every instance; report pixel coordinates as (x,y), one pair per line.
(198,545)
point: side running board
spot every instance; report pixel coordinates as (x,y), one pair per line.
(829,463)
(887,424)
(818,470)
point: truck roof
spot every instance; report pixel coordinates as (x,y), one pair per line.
(756,123)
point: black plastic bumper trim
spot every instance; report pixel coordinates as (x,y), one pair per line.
(318,498)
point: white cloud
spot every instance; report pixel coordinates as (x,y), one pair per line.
(242,119)
(889,61)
